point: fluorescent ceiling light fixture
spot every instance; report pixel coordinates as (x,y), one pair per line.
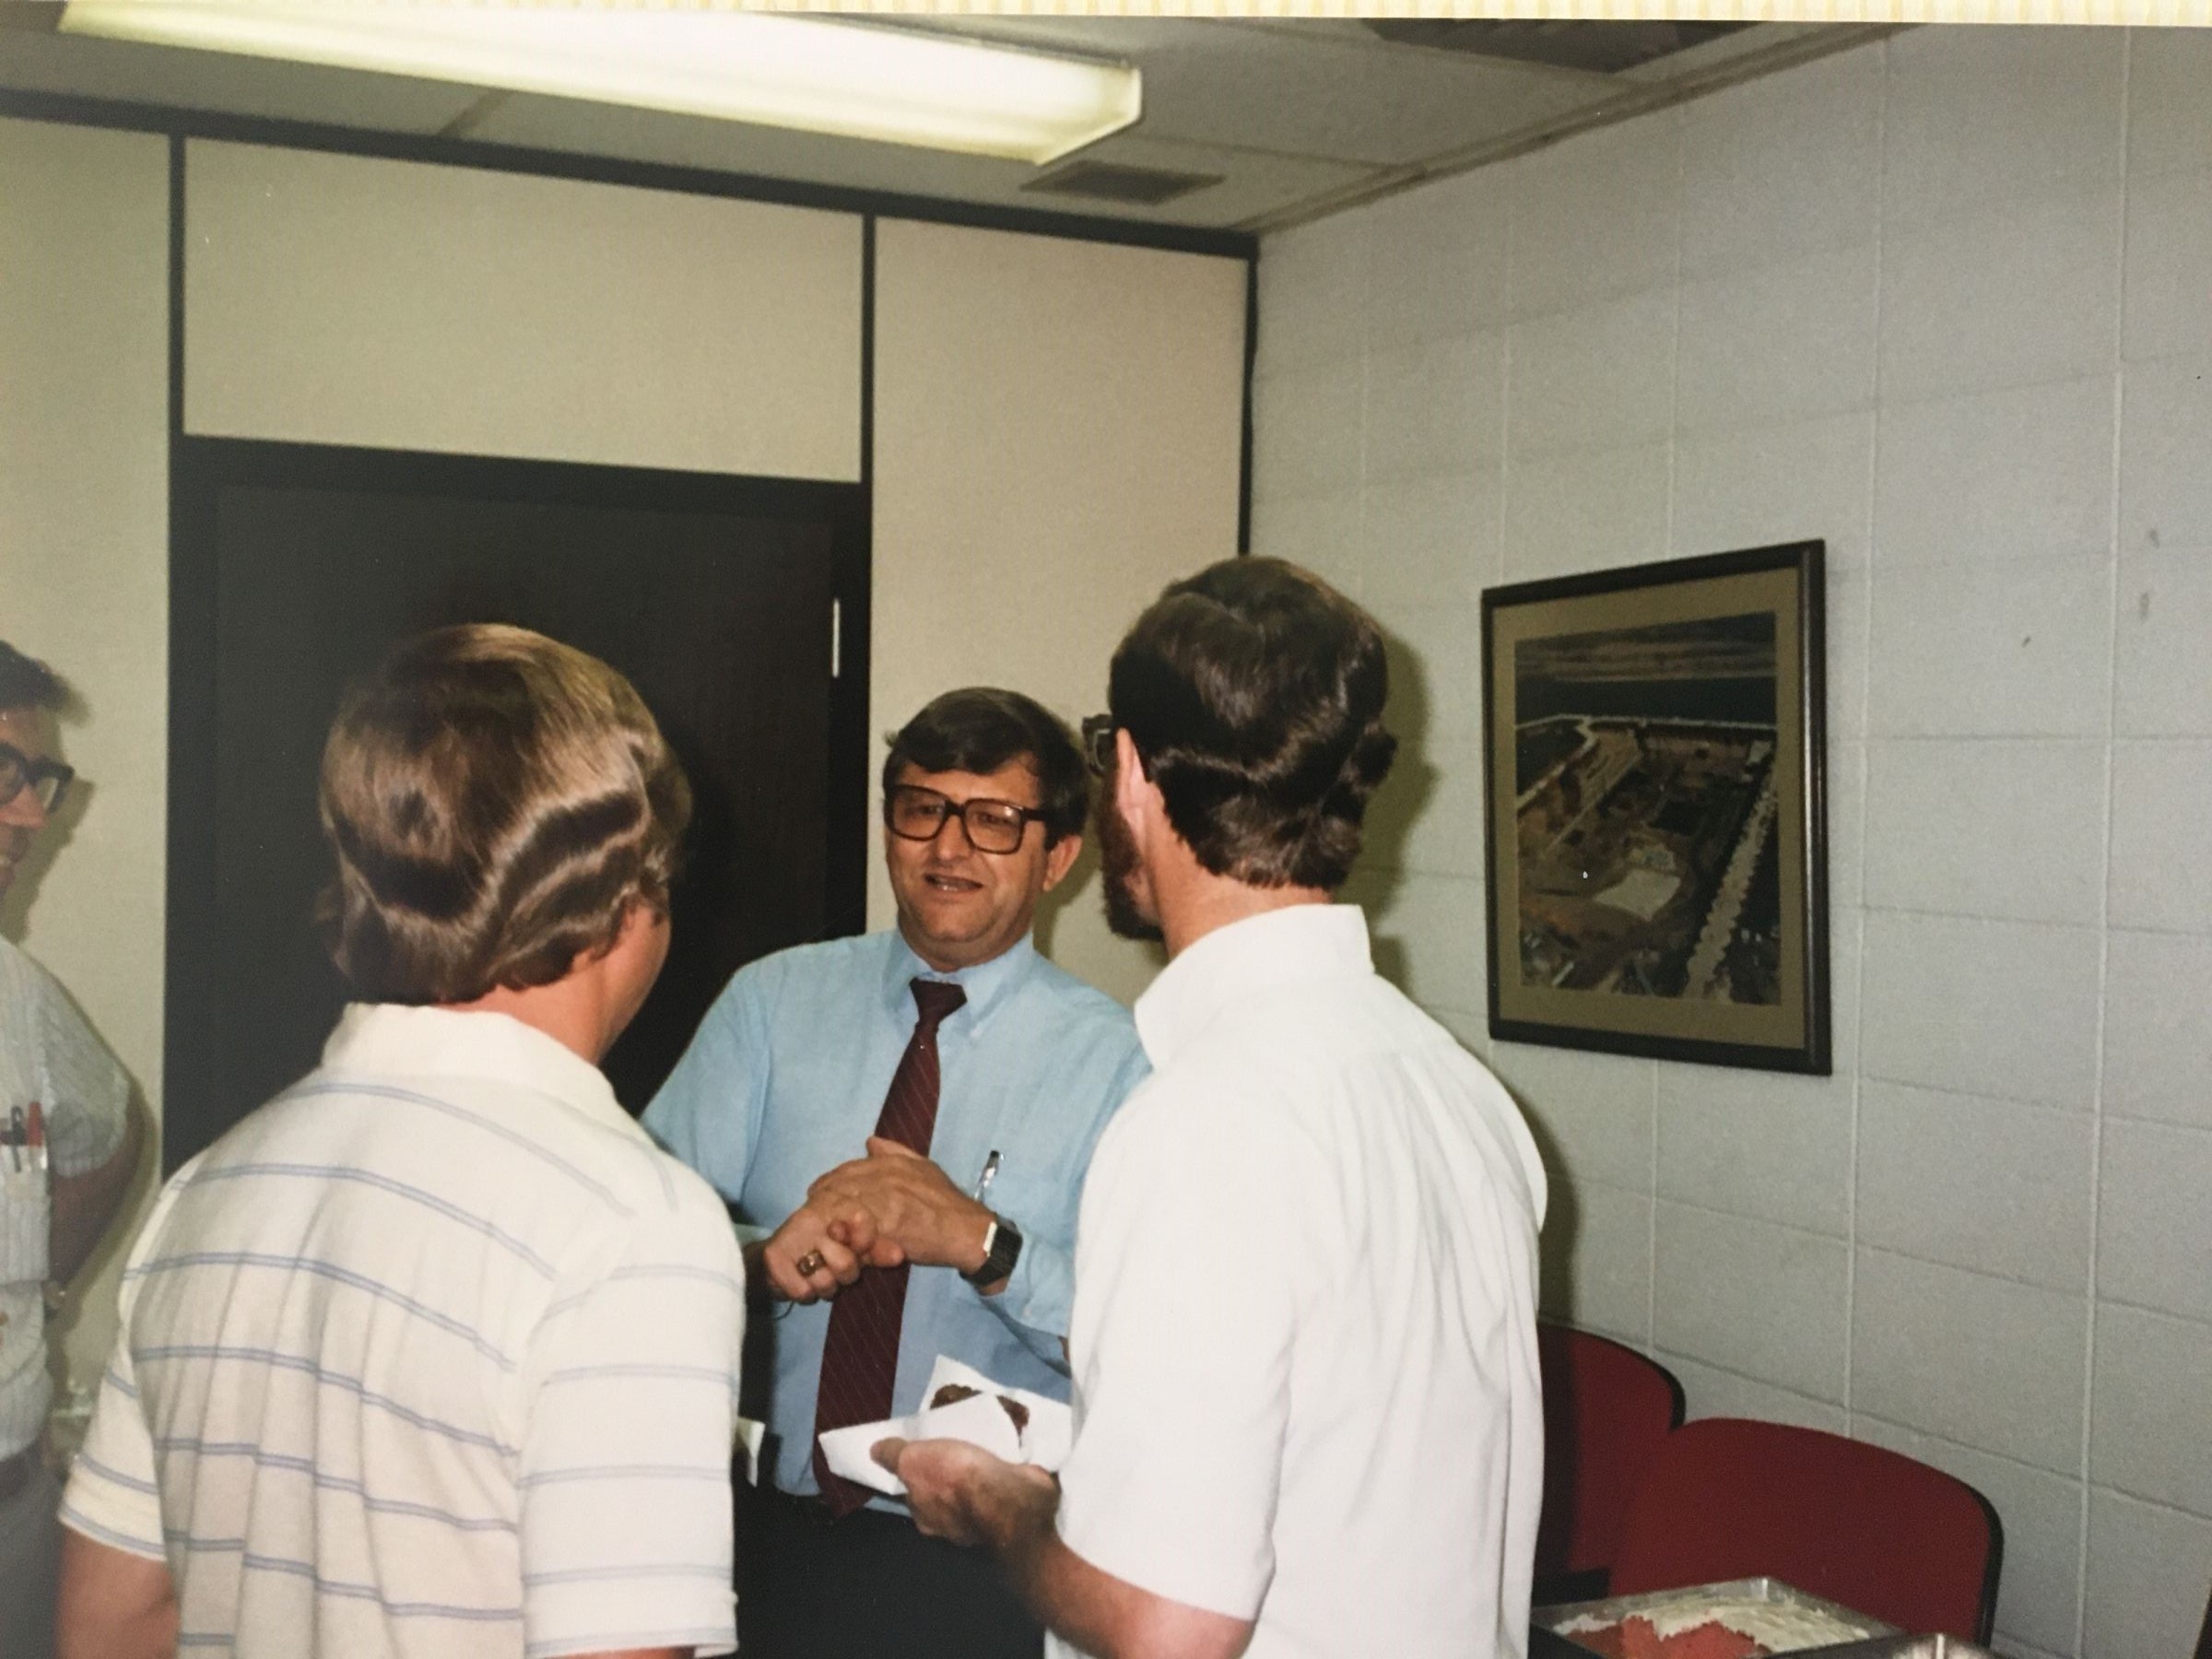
(820,75)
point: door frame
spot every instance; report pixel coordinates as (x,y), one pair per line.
(203,467)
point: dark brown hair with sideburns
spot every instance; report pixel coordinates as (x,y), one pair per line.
(1253,693)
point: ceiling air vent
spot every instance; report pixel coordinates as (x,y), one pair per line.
(1106,181)
(1607,48)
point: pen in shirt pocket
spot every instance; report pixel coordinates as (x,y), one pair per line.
(983,1181)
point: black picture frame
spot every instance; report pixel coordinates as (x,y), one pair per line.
(1654,762)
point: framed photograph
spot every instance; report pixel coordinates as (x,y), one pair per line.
(1654,752)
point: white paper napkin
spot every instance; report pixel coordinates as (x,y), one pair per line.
(750,1437)
(980,1420)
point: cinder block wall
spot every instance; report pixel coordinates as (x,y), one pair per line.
(1943,302)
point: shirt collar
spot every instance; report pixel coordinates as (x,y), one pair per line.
(393,1038)
(986,983)
(1297,944)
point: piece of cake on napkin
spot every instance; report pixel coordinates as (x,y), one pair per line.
(1010,1423)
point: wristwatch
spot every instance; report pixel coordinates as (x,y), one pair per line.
(1002,1249)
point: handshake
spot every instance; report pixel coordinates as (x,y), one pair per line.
(891,1207)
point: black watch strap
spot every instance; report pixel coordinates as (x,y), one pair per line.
(1002,1249)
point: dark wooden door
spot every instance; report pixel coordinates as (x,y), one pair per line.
(735,606)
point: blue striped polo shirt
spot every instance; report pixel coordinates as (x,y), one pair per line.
(434,1354)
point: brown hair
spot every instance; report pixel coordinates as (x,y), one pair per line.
(1253,693)
(981,728)
(496,802)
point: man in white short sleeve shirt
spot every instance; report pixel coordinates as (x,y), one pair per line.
(1308,1416)
(436,1354)
(56,1199)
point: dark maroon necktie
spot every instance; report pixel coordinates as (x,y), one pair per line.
(860,1354)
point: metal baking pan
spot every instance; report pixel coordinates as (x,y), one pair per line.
(1546,1621)
(1907,1647)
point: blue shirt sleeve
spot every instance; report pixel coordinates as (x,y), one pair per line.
(1039,1299)
(708,1112)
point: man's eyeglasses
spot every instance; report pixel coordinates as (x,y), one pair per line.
(919,814)
(1098,743)
(47,780)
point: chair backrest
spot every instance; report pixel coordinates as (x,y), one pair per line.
(1606,1409)
(1728,1498)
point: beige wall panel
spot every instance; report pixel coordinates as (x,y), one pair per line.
(1058,433)
(84,574)
(346,299)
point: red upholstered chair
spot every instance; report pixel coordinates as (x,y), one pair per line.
(1726,1498)
(1606,1409)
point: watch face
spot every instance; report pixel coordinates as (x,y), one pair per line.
(1002,1249)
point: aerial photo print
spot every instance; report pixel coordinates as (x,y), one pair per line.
(1655,787)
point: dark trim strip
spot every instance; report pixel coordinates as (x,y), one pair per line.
(191,635)
(223,461)
(176,291)
(852,784)
(867,352)
(1252,352)
(607,170)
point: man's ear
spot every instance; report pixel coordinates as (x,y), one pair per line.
(1059,859)
(1134,792)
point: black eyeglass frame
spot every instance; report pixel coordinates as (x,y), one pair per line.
(33,774)
(1097,734)
(961,810)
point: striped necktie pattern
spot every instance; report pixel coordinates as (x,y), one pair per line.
(860,1354)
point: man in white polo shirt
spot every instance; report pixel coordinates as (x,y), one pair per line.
(436,1354)
(1309,1420)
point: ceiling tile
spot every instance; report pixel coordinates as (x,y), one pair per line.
(1349,103)
(1315,90)
(1251,184)
(172,77)
(652,136)
(1293,114)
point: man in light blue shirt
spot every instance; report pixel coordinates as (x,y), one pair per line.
(780,1103)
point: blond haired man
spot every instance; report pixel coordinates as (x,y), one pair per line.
(435,1353)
